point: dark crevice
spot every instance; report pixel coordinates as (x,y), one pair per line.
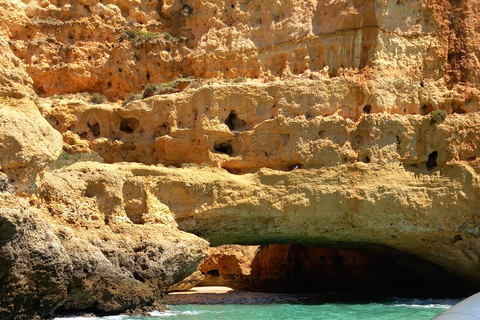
(95,129)
(214,273)
(234,122)
(224,147)
(367,109)
(432,160)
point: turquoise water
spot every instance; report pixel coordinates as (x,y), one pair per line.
(401,309)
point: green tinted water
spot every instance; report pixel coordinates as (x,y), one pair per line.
(400,309)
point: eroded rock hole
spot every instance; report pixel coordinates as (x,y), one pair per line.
(148,75)
(128,125)
(234,122)
(94,190)
(94,128)
(294,166)
(367,109)
(162,130)
(458,110)
(224,147)
(426,109)
(53,121)
(214,273)
(366,159)
(432,160)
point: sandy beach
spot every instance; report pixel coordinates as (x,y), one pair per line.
(226,295)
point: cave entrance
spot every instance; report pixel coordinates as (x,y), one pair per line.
(382,272)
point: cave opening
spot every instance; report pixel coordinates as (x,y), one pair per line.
(375,272)
(432,160)
(367,109)
(128,125)
(234,123)
(224,147)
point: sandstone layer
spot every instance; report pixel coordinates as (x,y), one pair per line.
(296,122)
(55,264)
(228,265)
(427,214)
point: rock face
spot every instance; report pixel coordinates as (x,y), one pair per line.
(27,142)
(48,265)
(314,123)
(228,266)
(428,214)
(74,262)
(404,49)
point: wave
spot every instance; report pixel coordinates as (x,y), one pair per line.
(424,303)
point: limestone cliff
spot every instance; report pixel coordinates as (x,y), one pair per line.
(313,122)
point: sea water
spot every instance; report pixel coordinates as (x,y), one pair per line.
(392,309)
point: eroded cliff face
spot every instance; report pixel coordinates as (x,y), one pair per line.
(296,122)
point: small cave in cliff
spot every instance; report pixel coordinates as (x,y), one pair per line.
(234,123)
(128,125)
(432,160)
(94,128)
(380,272)
(367,109)
(224,147)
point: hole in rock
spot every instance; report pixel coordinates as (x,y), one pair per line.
(294,166)
(95,129)
(224,147)
(321,134)
(367,109)
(457,238)
(361,270)
(214,273)
(128,125)
(458,110)
(426,109)
(233,122)
(366,159)
(148,75)
(94,190)
(53,121)
(137,276)
(162,130)
(432,160)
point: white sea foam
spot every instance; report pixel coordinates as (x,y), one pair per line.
(171,313)
(425,303)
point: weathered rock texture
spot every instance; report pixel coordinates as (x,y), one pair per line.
(228,265)
(318,111)
(428,214)
(391,48)
(55,263)
(48,264)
